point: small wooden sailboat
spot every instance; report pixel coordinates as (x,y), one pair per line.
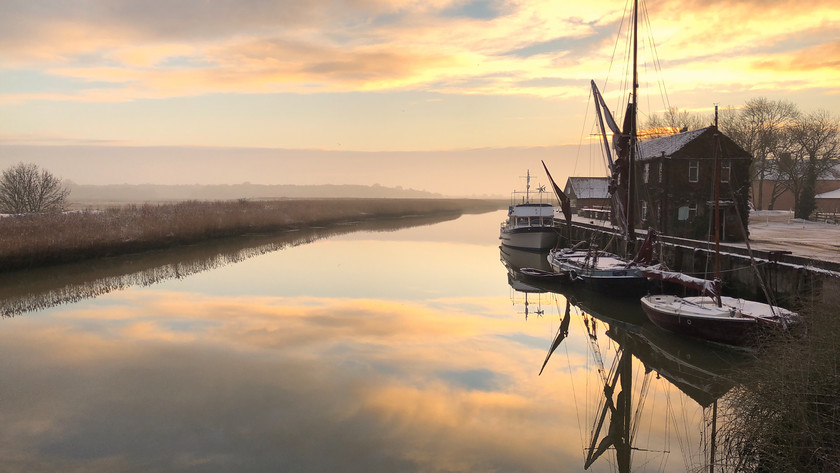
(731,321)
(711,316)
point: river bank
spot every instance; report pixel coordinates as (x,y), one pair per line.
(29,241)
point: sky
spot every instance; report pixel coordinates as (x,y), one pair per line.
(154,80)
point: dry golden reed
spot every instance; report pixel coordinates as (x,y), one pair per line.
(40,239)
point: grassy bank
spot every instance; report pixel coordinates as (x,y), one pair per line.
(28,241)
(785,416)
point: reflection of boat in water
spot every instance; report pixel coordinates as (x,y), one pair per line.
(513,259)
(531,268)
(530,225)
(634,357)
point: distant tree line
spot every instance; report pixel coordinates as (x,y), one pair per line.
(790,148)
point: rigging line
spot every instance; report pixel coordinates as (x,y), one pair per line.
(640,404)
(770,300)
(677,430)
(574,398)
(589,102)
(667,431)
(685,439)
(617,40)
(657,64)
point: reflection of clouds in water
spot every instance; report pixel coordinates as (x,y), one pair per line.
(277,384)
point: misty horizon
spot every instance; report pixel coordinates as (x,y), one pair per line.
(492,173)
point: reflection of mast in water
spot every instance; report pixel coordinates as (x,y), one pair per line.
(697,370)
(518,287)
(514,260)
(620,430)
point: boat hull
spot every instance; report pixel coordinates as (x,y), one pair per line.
(609,274)
(531,238)
(700,321)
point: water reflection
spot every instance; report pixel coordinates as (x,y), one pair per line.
(401,353)
(630,357)
(25,291)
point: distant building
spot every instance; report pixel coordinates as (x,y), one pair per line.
(674,177)
(829,202)
(775,199)
(588,193)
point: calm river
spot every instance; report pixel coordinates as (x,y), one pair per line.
(399,348)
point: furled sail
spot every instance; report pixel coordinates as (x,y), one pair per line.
(619,164)
(561,196)
(705,286)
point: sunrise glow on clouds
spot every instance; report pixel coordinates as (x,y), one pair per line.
(104,70)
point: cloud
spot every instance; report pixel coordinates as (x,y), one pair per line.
(129,52)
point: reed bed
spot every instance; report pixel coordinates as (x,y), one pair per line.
(785,415)
(41,239)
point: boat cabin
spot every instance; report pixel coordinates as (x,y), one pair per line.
(531,215)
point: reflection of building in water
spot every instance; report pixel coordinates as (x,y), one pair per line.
(631,357)
(26,291)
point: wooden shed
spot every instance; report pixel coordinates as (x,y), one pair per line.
(588,194)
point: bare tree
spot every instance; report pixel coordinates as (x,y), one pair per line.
(761,128)
(817,140)
(672,121)
(25,188)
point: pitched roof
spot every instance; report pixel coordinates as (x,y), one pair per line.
(835,194)
(589,187)
(667,144)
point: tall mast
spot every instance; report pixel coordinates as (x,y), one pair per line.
(528,186)
(716,188)
(716,196)
(631,185)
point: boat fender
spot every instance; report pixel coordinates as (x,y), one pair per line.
(573,275)
(732,313)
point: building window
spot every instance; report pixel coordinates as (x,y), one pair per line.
(646,173)
(661,165)
(692,211)
(687,212)
(644,210)
(693,170)
(725,170)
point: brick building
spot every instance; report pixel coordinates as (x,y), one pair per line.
(674,177)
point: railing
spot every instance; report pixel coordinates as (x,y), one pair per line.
(827,217)
(594,213)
